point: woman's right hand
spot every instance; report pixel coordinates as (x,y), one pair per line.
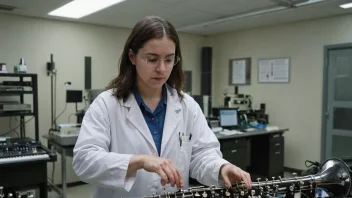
(167,170)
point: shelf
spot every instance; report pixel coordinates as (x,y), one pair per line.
(15,92)
(16,114)
(17,75)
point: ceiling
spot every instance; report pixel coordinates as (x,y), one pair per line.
(205,17)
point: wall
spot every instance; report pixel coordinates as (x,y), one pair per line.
(298,104)
(35,39)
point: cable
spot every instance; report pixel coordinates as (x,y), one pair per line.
(13,130)
(311,164)
(60,113)
(69,117)
(16,127)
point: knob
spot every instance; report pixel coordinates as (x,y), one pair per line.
(273,178)
(10,195)
(294,174)
(258,179)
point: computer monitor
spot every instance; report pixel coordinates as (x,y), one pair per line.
(228,118)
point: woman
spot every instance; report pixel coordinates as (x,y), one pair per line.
(143,134)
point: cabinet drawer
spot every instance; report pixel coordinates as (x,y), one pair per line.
(233,143)
(276,146)
(276,162)
(237,156)
(276,138)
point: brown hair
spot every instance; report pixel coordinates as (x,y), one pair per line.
(148,28)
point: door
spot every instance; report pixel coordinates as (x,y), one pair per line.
(338,101)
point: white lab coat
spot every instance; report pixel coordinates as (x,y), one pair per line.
(114,130)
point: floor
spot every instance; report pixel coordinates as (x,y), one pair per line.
(87,190)
(82,191)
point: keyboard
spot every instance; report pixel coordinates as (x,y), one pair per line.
(17,159)
(230,132)
(23,150)
(216,129)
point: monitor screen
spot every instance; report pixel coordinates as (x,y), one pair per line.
(228,117)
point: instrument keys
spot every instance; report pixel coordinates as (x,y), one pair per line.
(242,193)
(227,193)
(197,194)
(292,188)
(205,194)
(252,192)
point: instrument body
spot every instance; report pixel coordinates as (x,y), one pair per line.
(334,178)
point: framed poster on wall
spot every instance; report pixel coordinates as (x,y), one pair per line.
(240,71)
(274,70)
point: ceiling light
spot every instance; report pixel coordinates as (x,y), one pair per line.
(79,8)
(347,5)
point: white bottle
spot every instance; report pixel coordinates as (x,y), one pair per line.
(3,68)
(22,66)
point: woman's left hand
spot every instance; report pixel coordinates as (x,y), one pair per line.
(231,174)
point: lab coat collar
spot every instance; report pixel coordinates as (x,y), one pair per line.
(172,118)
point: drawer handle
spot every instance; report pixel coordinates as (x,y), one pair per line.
(233,151)
(277,144)
(277,153)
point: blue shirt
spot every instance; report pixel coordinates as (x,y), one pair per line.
(154,120)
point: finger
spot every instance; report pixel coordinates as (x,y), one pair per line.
(163,176)
(170,175)
(226,181)
(248,176)
(176,175)
(180,181)
(245,179)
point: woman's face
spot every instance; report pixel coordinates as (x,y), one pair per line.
(154,62)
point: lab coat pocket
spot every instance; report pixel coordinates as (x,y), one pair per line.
(184,155)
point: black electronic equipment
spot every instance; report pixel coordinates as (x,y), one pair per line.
(74,96)
(15,150)
(17,83)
